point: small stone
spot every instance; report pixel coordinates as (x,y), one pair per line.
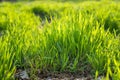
(100,78)
(24,75)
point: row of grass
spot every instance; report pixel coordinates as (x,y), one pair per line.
(81,37)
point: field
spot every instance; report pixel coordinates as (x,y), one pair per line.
(48,38)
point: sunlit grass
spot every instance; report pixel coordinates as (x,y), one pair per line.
(73,38)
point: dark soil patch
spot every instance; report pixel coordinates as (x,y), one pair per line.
(63,76)
(52,75)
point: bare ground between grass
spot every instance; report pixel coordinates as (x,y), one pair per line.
(23,75)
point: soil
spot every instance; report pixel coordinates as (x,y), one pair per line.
(23,75)
(63,76)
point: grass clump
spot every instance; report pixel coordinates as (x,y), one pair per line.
(78,39)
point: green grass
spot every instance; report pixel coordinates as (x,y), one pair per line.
(75,37)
